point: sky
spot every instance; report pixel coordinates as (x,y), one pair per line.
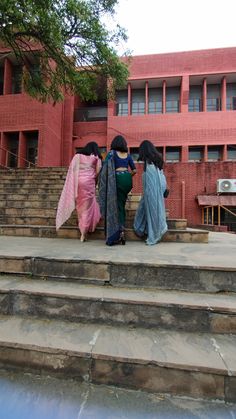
(162,26)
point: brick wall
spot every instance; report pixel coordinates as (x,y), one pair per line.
(195,179)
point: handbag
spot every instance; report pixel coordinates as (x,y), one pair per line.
(166,193)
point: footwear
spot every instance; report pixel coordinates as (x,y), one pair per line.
(122,238)
(82,238)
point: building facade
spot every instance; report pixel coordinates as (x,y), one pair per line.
(184,102)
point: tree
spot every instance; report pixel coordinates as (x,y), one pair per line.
(69,41)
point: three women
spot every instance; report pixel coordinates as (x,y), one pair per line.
(115,183)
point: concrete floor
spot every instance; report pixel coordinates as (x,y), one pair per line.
(219,252)
(29,396)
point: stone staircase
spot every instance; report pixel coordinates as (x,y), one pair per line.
(156,327)
(28,202)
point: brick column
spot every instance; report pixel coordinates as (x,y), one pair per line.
(184,94)
(146,97)
(7,83)
(205,154)
(21,151)
(67,130)
(129,99)
(164,97)
(204,95)
(164,154)
(223,94)
(3,152)
(184,154)
(224,153)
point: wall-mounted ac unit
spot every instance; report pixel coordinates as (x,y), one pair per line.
(226,185)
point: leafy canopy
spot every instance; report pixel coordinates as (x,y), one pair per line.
(70,44)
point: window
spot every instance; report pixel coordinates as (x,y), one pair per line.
(195,99)
(173,154)
(160,150)
(213,97)
(214,153)
(195,153)
(138,102)
(231,152)
(122,102)
(32,147)
(16,79)
(1,80)
(154,101)
(231,96)
(12,141)
(134,152)
(172,99)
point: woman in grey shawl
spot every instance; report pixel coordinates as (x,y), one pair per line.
(150,217)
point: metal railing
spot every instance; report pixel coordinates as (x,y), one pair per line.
(231,103)
(8,152)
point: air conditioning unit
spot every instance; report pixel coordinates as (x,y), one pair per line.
(226,185)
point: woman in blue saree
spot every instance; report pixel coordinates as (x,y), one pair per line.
(114,185)
(150,217)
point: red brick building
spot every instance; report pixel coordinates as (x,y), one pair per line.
(184,102)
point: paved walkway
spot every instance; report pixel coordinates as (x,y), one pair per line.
(27,396)
(219,252)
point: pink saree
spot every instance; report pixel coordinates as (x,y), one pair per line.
(79,192)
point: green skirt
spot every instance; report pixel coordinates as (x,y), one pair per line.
(123,186)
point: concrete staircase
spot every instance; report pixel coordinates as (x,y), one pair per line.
(28,202)
(162,328)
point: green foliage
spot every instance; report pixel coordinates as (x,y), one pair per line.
(70,44)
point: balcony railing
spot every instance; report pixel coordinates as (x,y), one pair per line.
(172,106)
(138,108)
(231,103)
(195,105)
(155,107)
(121,108)
(96,113)
(213,104)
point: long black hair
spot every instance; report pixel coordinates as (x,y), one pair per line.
(90,148)
(119,144)
(149,154)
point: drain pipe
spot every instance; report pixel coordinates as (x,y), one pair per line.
(183,199)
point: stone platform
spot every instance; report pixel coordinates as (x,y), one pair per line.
(159,318)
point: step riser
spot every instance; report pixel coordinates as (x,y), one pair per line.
(73,222)
(149,377)
(132,275)
(180,236)
(117,313)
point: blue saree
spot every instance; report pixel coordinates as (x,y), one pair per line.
(107,197)
(150,217)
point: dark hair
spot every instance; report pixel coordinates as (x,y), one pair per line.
(90,148)
(119,144)
(149,154)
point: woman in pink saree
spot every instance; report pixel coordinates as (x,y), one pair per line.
(79,190)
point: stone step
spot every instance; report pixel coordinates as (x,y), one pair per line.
(31,188)
(169,310)
(30,182)
(177,363)
(29,197)
(46,220)
(172,235)
(29,204)
(114,269)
